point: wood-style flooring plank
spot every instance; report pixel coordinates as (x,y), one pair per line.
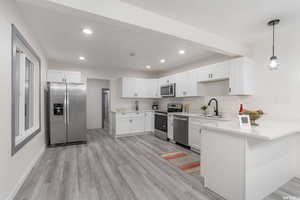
(129,168)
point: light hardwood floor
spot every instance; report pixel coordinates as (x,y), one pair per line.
(111,169)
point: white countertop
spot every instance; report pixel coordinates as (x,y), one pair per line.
(267,129)
(201,116)
(131,111)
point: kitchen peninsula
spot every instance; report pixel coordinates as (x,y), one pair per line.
(249,164)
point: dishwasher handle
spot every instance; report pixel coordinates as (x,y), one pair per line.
(182,119)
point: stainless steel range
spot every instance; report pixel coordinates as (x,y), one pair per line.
(161,120)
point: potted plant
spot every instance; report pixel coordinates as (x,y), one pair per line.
(204,109)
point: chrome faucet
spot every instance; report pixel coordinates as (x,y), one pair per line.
(216,108)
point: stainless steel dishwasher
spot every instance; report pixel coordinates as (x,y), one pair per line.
(181,129)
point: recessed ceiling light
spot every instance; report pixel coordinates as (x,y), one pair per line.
(181,52)
(162,60)
(148,67)
(87,31)
(81,58)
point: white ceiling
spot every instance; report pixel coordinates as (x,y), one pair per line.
(240,20)
(109,47)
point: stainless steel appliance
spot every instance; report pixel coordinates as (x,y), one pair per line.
(181,129)
(168,90)
(67,112)
(161,125)
(161,120)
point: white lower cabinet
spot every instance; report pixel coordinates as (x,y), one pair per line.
(132,123)
(195,136)
(123,125)
(195,132)
(137,124)
(149,121)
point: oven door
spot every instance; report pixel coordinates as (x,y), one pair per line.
(161,125)
(167,90)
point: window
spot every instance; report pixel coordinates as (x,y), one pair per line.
(26,88)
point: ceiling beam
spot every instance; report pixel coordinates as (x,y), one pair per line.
(120,11)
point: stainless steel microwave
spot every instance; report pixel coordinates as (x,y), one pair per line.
(168,90)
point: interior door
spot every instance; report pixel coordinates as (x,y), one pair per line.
(105,108)
(57,111)
(76,98)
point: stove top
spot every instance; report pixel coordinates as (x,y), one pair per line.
(172,107)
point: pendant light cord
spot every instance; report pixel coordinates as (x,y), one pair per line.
(273,40)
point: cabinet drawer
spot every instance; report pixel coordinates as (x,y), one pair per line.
(200,121)
(136,115)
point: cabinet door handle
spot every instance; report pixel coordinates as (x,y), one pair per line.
(211,75)
(229,90)
(200,131)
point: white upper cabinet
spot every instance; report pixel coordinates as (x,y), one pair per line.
(129,87)
(139,88)
(203,74)
(220,71)
(151,89)
(215,72)
(241,77)
(237,75)
(63,76)
(186,84)
(56,76)
(73,77)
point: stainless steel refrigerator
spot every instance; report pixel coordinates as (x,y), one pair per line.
(67,113)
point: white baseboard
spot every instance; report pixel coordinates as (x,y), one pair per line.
(133,134)
(25,175)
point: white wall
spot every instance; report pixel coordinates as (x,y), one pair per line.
(94,102)
(277,92)
(13,169)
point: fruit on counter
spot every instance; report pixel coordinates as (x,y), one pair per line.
(253,114)
(204,107)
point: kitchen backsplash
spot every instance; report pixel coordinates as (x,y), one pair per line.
(129,104)
(229,106)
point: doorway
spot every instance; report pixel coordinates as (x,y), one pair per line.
(105,108)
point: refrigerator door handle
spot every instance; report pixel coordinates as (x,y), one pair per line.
(65,107)
(68,106)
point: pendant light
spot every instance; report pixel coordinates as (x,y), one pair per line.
(274,65)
